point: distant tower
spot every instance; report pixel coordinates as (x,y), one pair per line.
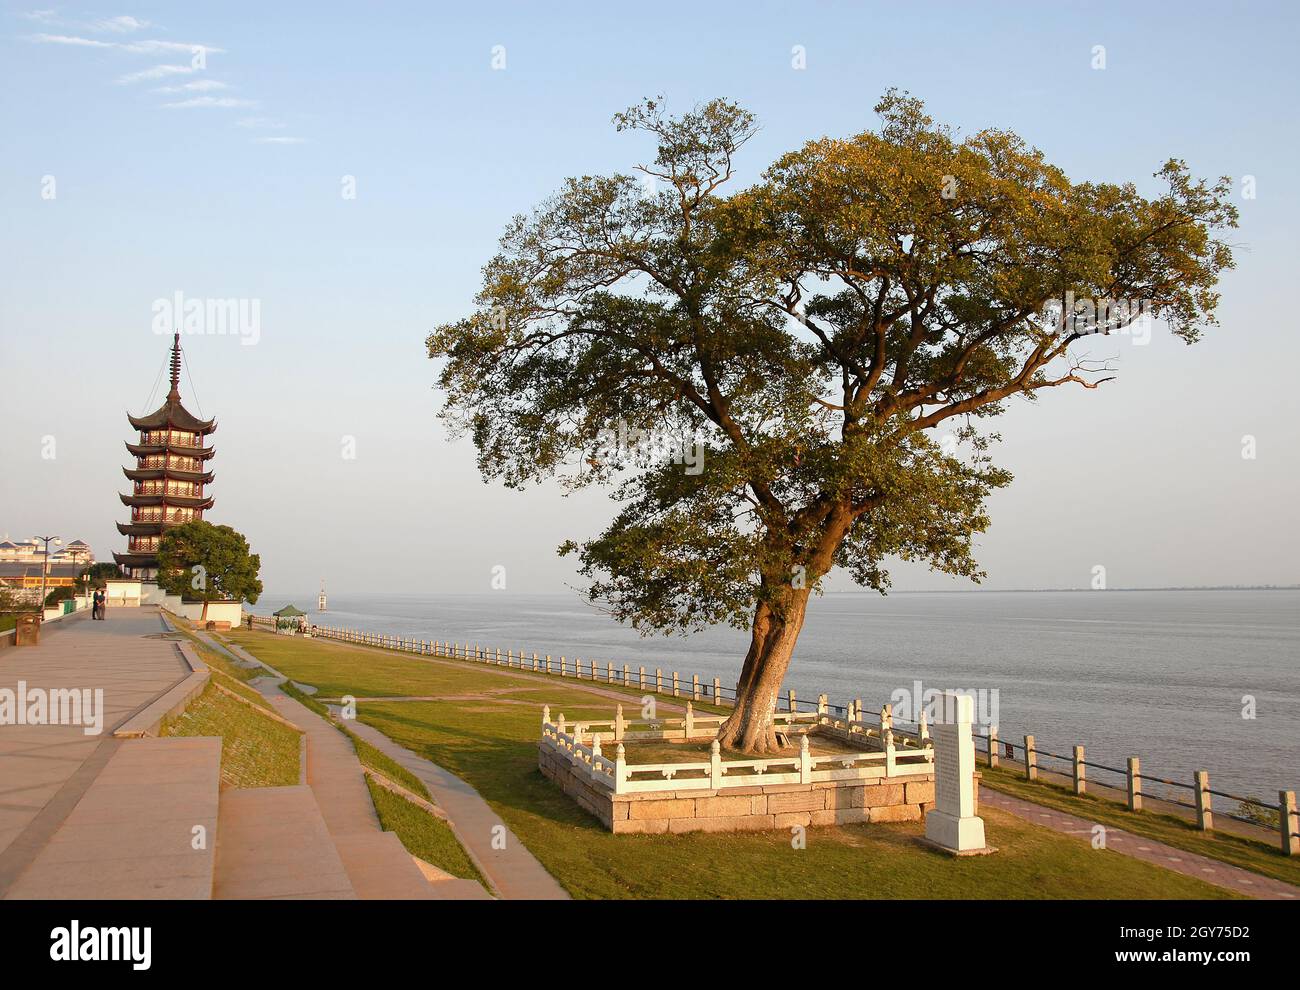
(168,477)
(320,602)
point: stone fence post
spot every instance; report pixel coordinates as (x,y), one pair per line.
(1288,823)
(1079,776)
(717,691)
(620,769)
(1031,759)
(1204,802)
(695,687)
(1134,784)
(993,746)
(805,760)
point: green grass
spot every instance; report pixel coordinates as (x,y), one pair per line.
(1237,850)
(336,669)
(256,750)
(376,760)
(492,744)
(421,833)
(305,699)
(498,757)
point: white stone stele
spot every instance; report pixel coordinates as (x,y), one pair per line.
(952,824)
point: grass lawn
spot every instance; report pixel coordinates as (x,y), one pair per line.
(1234,849)
(256,750)
(490,740)
(337,668)
(421,833)
(381,763)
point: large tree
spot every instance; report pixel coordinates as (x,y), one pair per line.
(823,332)
(203,562)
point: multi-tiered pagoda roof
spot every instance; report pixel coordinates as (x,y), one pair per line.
(169,476)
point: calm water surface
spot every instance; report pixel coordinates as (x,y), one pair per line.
(1155,674)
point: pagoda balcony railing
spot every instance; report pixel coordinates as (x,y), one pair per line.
(171,488)
(153,515)
(175,463)
(155,437)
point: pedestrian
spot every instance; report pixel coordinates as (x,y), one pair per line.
(97,608)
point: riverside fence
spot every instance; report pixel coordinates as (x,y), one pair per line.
(1198,797)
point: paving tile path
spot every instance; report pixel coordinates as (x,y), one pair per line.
(1126,843)
(510,868)
(376,863)
(46,769)
(145,828)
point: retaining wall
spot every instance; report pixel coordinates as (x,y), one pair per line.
(744,809)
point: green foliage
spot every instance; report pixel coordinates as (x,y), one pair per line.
(204,562)
(380,762)
(814,331)
(256,750)
(423,835)
(60,594)
(98,573)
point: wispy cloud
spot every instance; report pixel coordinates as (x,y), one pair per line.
(142,47)
(157,72)
(154,47)
(210,101)
(122,24)
(67,39)
(279,140)
(197,86)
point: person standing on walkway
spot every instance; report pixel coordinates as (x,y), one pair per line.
(97,608)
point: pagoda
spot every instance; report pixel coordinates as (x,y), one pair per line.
(168,478)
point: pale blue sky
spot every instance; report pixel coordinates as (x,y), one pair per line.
(1144,476)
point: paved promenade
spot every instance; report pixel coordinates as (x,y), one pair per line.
(46,769)
(1126,843)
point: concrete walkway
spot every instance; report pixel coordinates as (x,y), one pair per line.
(1117,840)
(376,863)
(512,870)
(45,770)
(146,828)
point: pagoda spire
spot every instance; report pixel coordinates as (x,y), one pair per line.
(175,393)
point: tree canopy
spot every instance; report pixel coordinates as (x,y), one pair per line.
(204,562)
(813,332)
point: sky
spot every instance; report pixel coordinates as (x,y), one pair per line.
(348,169)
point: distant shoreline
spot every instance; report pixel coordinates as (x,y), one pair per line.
(913,591)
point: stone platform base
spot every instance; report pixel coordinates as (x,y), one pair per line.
(744,809)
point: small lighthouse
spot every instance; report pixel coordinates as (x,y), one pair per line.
(320,602)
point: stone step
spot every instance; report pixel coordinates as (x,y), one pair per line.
(273,843)
(381,869)
(133,834)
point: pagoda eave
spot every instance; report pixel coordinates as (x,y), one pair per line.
(141,528)
(135,559)
(178,501)
(169,473)
(152,449)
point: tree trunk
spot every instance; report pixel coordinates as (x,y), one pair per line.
(204,616)
(749,728)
